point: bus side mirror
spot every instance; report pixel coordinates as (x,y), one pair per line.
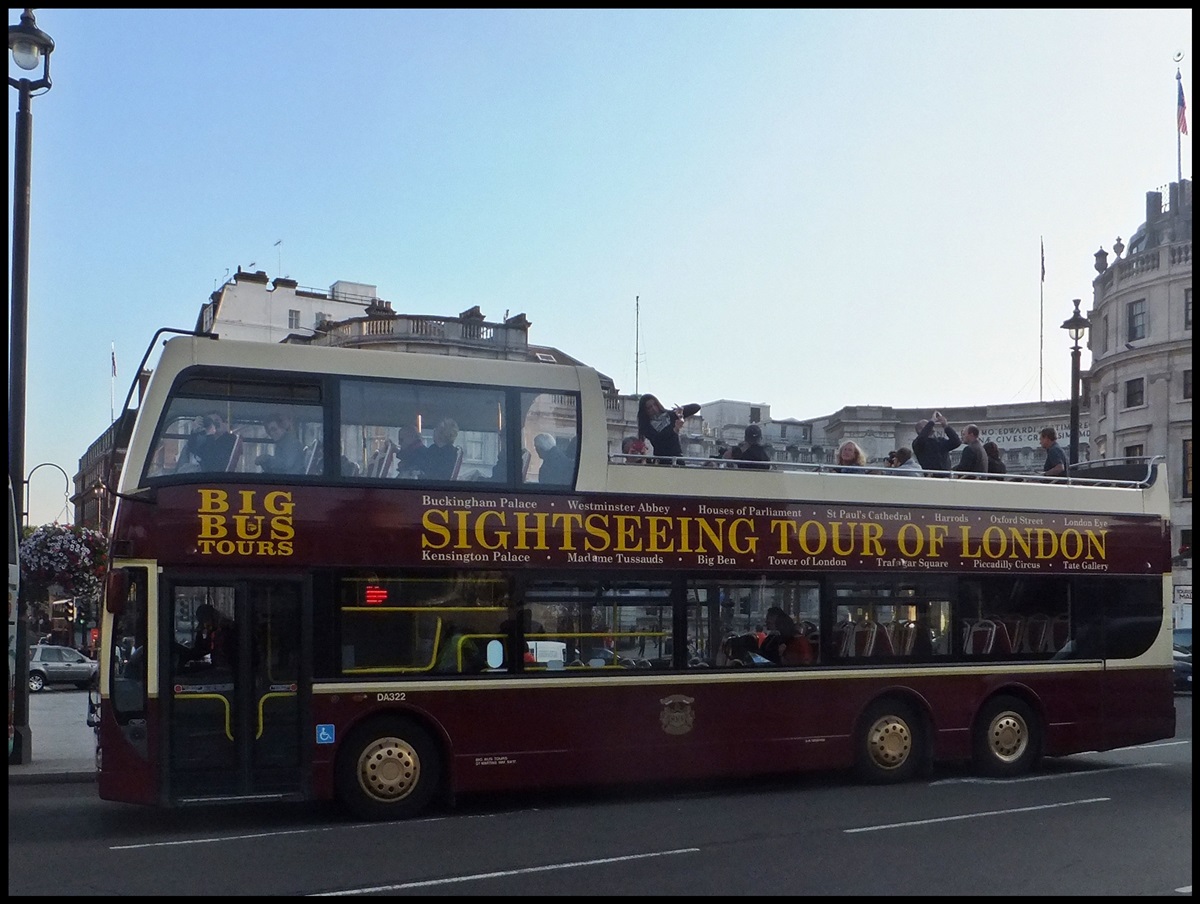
(116,591)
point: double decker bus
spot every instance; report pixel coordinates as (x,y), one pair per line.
(376,594)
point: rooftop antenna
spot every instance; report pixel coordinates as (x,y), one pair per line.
(637,340)
(279,259)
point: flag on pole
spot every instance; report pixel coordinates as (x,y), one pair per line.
(114,359)
(1182,111)
(1043,260)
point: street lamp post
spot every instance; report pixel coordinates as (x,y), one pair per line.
(29,477)
(30,47)
(1076,326)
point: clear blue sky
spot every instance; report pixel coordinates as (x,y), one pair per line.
(817,208)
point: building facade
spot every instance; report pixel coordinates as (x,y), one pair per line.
(1140,339)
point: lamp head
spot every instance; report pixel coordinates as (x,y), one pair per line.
(28,43)
(1076,325)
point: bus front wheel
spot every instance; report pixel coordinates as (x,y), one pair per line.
(388,769)
(889,743)
(1007,739)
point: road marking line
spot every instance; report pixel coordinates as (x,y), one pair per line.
(502,873)
(926,822)
(969,780)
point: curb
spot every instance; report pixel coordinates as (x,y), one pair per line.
(51,778)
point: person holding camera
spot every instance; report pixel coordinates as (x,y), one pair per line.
(661,427)
(933,452)
(750,452)
(902,462)
(211,444)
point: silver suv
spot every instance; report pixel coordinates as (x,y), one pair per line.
(52,664)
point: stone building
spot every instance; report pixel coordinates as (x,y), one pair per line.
(1141,345)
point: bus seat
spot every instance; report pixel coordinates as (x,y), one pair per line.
(1014,626)
(906,635)
(235,454)
(313,459)
(457,463)
(1001,643)
(1057,636)
(797,651)
(382,461)
(978,636)
(865,637)
(843,638)
(1036,629)
(883,642)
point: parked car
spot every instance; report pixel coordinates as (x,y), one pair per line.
(53,664)
(1183,668)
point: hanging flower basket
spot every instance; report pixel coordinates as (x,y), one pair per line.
(74,558)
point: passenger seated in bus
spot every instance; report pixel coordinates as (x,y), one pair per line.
(214,641)
(555,468)
(442,457)
(781,631)
(740,650)
(410,451)
(287,456)
(459,653)
(210,446)
(750,452)
(633,445)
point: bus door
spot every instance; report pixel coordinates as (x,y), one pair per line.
(234,703)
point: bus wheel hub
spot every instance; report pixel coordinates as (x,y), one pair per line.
(890,742)
(389,769)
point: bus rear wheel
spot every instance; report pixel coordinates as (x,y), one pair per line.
(388,769)
(889,743)
(1007,739)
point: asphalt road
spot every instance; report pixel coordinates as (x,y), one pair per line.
(1115,823)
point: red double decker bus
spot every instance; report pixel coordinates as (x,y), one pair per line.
(346,575)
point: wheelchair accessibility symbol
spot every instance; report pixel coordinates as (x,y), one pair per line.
(324,734)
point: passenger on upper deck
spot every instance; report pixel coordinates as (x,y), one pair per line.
(556,468)
(661,427)
(750,452)
(995,463)
(442,456)
(633,445)
(781,632)
(210,446)
(974,459)
(410,450)
(288,455)
(850,457)
(1056,459)
(902,462)
(933,452)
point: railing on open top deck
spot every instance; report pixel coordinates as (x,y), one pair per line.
(1130,473)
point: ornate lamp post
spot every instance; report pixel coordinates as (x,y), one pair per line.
(1076,326)
(29,477)
(30,47)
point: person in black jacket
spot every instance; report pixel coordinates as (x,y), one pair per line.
(933,452)
(661,427)
(996,464)
(751,453)
(974,459)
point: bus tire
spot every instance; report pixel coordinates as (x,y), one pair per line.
(1008,738)
(889,743)
(389,768)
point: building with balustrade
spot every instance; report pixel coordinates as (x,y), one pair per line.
(1140,338)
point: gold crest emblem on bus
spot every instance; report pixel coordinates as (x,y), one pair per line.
(677,715)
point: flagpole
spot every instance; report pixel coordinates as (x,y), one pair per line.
(1180,124)
(1042,321)
(112,387)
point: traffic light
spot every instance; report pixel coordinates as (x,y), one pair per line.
(70,608)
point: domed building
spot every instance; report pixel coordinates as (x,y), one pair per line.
(1140,337)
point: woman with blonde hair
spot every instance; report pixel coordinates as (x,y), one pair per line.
(850,457)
